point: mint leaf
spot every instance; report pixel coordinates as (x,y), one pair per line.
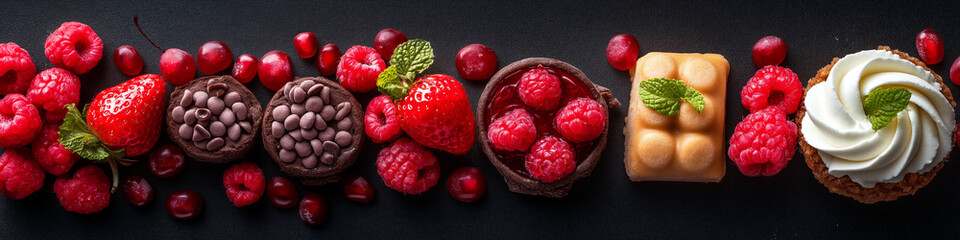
(413,56)
(883,104)
(664,95)
(391,84)
(77,136)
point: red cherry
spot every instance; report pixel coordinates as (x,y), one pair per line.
(213,57)
(128,60)
(282,193)
(476,62)
(387,40)
(177,66)
(137,191)
(955,72)
(357,189)
(329,59)
(314,209)
(622,51)
(184,204)
(466,184)
(275,70)
(930,46)
(166,161)
(245,68)
(306,44)
(770,50)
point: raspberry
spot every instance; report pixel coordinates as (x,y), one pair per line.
(539,89)
(16,69)
(550,159)
(581,120)
(87,192)
(763,143)
(244,183)
(19,121)
(380,121)
(52,89)
(50,154)
(74,46)
(513,131)
(407,167)
(359,68)
(772,86)
(20,176)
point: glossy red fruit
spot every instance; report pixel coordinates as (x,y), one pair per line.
(930,46)
(275,70)
(955,72)
(466,184)
(622,51)
(476,62)
(213,57)
(166,161)
(306,44)
(245,68)
(387,40)
(184,204)
(770,50)
(137,191)
(329,59)
(314,209)
(282,193)
(177,66)
(357,189)
(128,60)
(128,116)
(437,114)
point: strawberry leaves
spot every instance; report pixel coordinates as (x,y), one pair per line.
(409,59)
(77,136)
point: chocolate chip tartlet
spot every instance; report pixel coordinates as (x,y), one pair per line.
(500,97)
(313,129)
(214,119)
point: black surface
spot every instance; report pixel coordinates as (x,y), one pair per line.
(789,205)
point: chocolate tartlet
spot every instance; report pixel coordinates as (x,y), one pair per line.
(313,129)
(496,101)
(214,119)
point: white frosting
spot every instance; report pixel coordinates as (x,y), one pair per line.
(913,142)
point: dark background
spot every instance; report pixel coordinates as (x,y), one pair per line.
(789,205)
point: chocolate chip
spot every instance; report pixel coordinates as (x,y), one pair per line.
(345,124)
(202,145)
(215,105)
(286,88)
(186,131)
(218,129)
(303,148)
(327,158)
(307,121)
(276,129)
(317,146)
(203,114)
(200,133)
(325,94)
(309,161)
(190,116)
(343,138)
(331,148)
(343,109)
(328,113)
(298,109)
(187,99)
(297,95)
(319,124)
(287,156)
(217,89)
(305,85)
(177,114)
(240,110)
(200,98)
(314,104)
(215,144)
(297,135)
(281,112)
(292,122)
(309,133)
(327,134)
(245,125)
(287,142)
(315,90)
(227,117)
(231,98)
(234,132)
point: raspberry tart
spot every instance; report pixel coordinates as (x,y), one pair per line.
(214,119)
(543,124)
(313,128)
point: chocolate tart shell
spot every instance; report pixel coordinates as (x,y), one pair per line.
(322,174)
(525,185)
(843,185)
(227,153)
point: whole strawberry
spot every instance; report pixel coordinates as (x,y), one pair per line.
(434,110)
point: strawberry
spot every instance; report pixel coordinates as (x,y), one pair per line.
(434,110)
(122,121)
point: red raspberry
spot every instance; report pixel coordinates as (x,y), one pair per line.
(74,46)
(20,176)
(50,154)
(772,86)
(16,69)
(245,183)
(581,120)
(407,167)
(763,143)
(51,90)
(539,89)
(380,121)
(513,131)
(87,192)
(550,159)
(359,68)
(19,121)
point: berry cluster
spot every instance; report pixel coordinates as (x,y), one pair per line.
(765,141)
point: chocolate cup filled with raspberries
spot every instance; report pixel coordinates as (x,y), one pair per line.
(214,119)
(313,129)
(501,98)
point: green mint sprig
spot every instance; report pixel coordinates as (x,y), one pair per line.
(883,104)
(77,136)
(409,59)
(665,95)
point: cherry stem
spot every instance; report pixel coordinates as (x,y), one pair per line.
(116,174)
(136,21)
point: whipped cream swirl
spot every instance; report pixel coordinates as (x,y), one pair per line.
(915,141)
